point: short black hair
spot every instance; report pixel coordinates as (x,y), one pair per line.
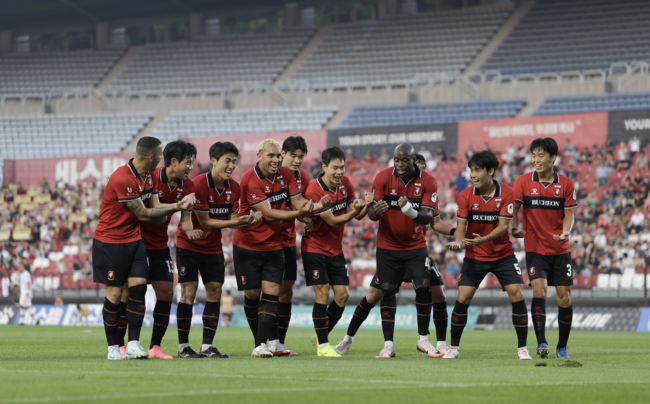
(419,159)
(484,159)
(293,143)
(220,148)
(146,145)
(179,150)
(548,144)
(332,153)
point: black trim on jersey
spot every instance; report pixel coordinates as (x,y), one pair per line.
(555,181)
(261,176)
(543,202)
(129,199)
(164,179)
(484,217)
(278,197)
(134,171)
(416,174)
(226,184)
(324,187)
(497,193)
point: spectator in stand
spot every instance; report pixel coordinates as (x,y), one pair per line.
(461,182)
(635,146)
(59,300)
(602,172)
(642,161)
(424,152)
(452,267)
(597,153)
(77,265)
(585,156)
(469,153)
(636,221)
(383,157)
(623,156)
(441,154)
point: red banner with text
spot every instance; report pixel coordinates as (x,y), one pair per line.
(583,129)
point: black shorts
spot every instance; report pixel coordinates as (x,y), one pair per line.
(396,266)
(435,278)
(114,264)
(323,270)
(554,268)
(253,267)
(507,270)
(290,263)
(211,266)
(161,266)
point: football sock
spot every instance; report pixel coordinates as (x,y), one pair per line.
(251,309)
(210,321)
(205,347)
(520,321)
(423,308)
(334,313)
(135,309)
(268,312)
(349,339)
(538,312)
(111,316)
(160,321)
(423,338)
(389,344)
(388,308)
(564,319)
(284,318)
(121,326)
(319,316)
(360,315)
(273,335)
(440,319)
(184,314)
(458,322)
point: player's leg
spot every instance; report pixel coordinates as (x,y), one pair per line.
(538,270)
(281,326)
(440,315)
(563,281)
(508,271)
(390,272)
(188,276)
(319,315)
(372,298)
(248,279)
(121,326)
(339,279)
(23,310)
(213,275)
(418,268)
(161,276)
(271,277)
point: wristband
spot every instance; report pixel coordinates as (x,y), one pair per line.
(409,211)
(451,233)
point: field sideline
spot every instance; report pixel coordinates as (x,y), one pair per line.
(67,364)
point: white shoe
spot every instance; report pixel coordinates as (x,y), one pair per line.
(262,351)
(522,353)
(273,347)
(135,351)
(452,353)
(387,352)
(114,353)
(443,349)
(342,347)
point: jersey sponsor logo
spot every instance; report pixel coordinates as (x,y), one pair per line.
(393,202)
(434,197)
(511,208)
(278,197)
(531,271)
(339,207)
(146,196)
(484,217)
(111,275)
(220,210)
(542,202)
(316,274)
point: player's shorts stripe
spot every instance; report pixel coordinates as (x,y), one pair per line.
(129,199)
(262,201)
(320,212)
(519,201)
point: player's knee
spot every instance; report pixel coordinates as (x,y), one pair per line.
(253,294)
(188,292)
(213,292)
(438,294)
(388,290)
(422,284)
(564,300)
(165,294)
(114,295)
(322,294)
(373,296)
(539,291)
(342,298)
(286,295)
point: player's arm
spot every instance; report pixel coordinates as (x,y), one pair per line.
(254,218)
(217,224)
(422,216)
(459,235)
(514,224)
(188,228)
(442,227)
(148,214)
(500,230)
(273,215)
(155,203)
(298,201)
(364,211)
(338,221)
(567,225)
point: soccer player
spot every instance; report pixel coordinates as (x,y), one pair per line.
(322,248)
(484,212)
(257,250)
(170,186)
(294,150)
(420,162)
(119,255)
(548,199)
(25,302)
(217,205)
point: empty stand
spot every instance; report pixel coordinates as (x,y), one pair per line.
(36,136)
(38,73)
(598,102)
(400,47)
(228,122)
(422,114)
(214,63)
(575,35)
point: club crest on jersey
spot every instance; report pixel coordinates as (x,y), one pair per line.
(343,191)
(228,198)
(139,188)
(557,191)
(393,192)
(299,186)
(243,280)
(178,195)
(281,183)
(534,191)
(150,184)
(159,194)
(316,274)
(498,205)
(111,275)
(183,270)
(532,271)
(434,197)
(417,191)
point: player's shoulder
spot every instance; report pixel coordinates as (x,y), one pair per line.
(428,178)
(233,185)
(524,179)
(506,189)
(345,181)
(563,179)
(467,192)
(284,172)
(248,177)
(303,175)
(315,188)
(200,180)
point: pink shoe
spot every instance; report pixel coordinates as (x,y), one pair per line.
(157,353)
(122,350)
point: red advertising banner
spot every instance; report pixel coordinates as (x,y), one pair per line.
(247,144)
(70,170)
(583,130)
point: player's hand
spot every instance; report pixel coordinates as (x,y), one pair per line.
(307,208)
(421,229)
(244,220)
(358,205)
(186,203)
(369,196)
(476,241)
(380,208)
(194,234)
(454,246)
(518,233)
(402,201)
(561,237)
(256,218)
(325,202)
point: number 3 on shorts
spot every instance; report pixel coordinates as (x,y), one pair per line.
(568,267)
(518,269)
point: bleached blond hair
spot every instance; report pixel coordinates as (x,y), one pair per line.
(267,142)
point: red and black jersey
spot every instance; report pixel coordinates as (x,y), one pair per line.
(257,189)
(154,235)
(482,215)
(324,239)
(544,205)
(219,203)
(289,226)
(117,224)
(396,230)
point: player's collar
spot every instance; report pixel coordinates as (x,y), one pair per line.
(165,180)
(497,192)
(261,176)
(324,186)
(416,174)
(556,179)
(134,171)
(226,183)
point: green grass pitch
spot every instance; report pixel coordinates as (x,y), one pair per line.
(68,364)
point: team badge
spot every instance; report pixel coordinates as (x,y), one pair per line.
(299,186)
(178,196)
(532,271)
(111,275)
(281,183)
(498,205)
(243,280)
(534,191)
(183,271)
(316,274)
(417,191)
(434,197)
(343,191)
(228,198)
(511,208)
(159,194)
(377,281)
(139,188)
(393,192)
(557,191)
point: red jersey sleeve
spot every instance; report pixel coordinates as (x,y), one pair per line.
(378,187)
(430,196)
(519,189)
(352,195)
(507,206)
(292,186)
(315,193)
(201,194)
(126,187)
(254,193)
(463,209)
(570,197)
(236,194)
